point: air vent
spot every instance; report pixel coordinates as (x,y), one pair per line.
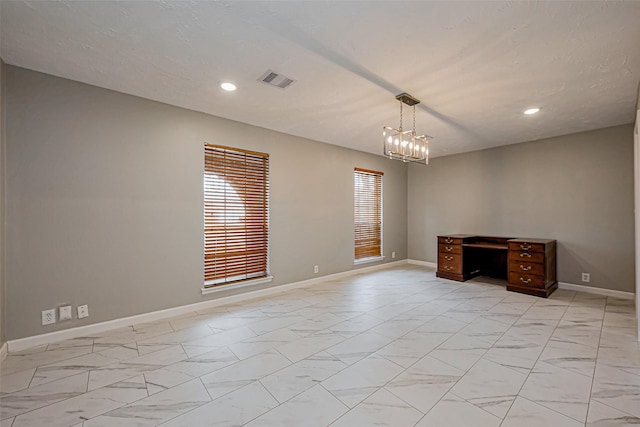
(272,78)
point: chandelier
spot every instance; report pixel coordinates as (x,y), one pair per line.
(403,144)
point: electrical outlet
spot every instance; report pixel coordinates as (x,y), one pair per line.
(48,316)
(64,313)
(83,311)
(586,277)
(315,269)
(393,254)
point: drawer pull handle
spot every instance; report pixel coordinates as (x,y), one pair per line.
(448,258)
(525,247)
(448,248)
(525,281)
(449,240)
(446,267)
(525,268)
(525,254)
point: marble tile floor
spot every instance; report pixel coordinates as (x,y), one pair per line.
(396,347)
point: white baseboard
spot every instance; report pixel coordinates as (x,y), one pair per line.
(3,351)
(561,285)
(422,263)
(88,330)
(599,291)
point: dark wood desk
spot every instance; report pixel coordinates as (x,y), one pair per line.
(528,265)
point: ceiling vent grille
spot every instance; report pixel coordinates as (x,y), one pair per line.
(272,78)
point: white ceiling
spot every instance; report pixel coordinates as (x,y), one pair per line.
(474,65)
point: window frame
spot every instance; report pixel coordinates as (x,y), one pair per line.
(219,166)
(380,207)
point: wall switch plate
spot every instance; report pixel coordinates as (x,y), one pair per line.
(48,316)
(393,254)
(64,313)
(586,277)
(83,311)
(315,268)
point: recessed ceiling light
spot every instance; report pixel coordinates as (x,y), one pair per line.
(531,111)
(229,87)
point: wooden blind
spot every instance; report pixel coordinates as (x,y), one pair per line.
(367,213)
(236,214)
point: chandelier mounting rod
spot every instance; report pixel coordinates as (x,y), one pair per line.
(407,99)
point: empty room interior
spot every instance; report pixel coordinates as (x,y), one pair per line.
(319,213)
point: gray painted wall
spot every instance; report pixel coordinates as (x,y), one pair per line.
(104,201)
(576,188)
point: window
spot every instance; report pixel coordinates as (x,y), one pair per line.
(236,215)
(367,214)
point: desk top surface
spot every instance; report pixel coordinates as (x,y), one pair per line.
(493,241)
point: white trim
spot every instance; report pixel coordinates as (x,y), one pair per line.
(83,331)
(561,285)
(220,288)
(599,291)
(3,351)
(381,217)
(380,206)
(636,180)
(367,260)
(422,263)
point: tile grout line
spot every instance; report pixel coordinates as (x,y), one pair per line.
(254,381)
(269,410)
(471,367)
(52,403)
(390,361)
(595,361)
(619,410)
(462,376)
(192,409)
(428,354)
(536,362)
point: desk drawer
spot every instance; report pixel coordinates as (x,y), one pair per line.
(449,240)
(450,263)
(526,280)
(526,247)
(449,249)
(524,267)
(531,257)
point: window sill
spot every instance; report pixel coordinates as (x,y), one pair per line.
(220,288)
(367,260)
